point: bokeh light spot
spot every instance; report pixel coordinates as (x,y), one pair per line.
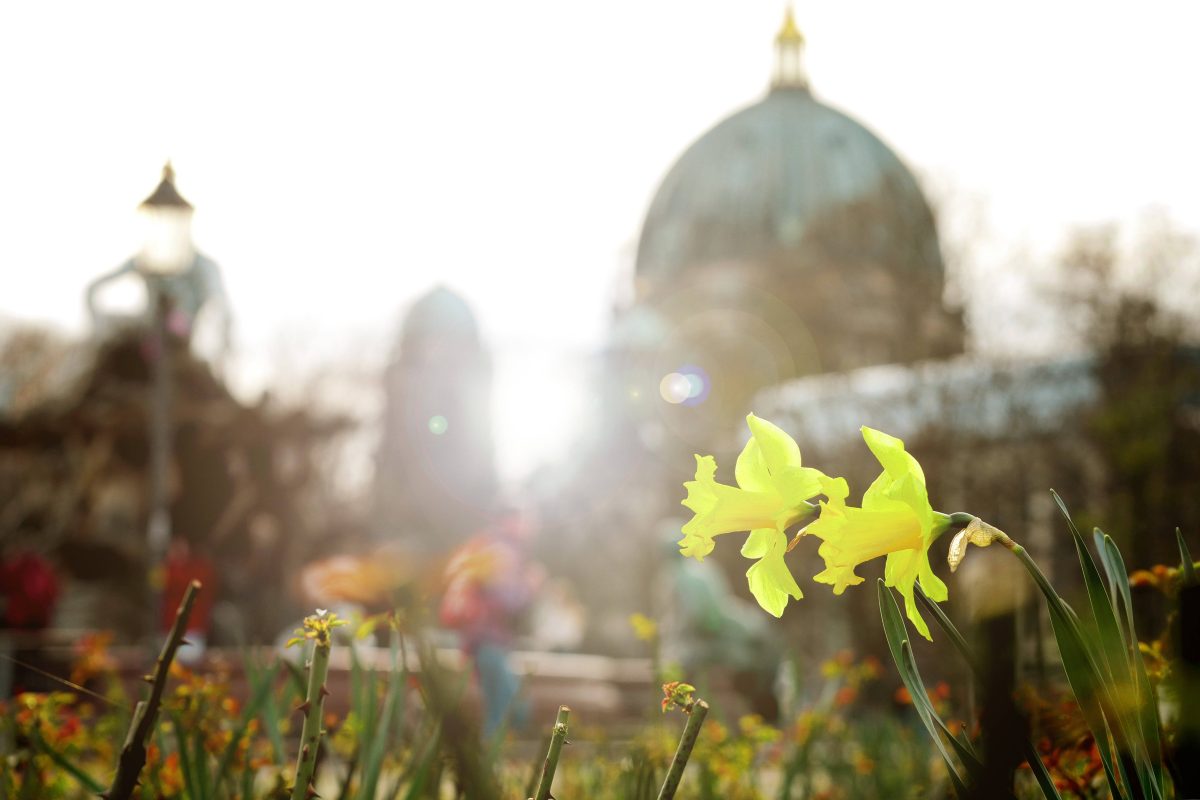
(438,425)
(674,387)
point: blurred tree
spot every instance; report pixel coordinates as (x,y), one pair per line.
(1125,307)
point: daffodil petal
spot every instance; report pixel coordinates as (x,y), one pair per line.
(933,586)
(770,580)
(778,449)
(798,485)
(758,543)
(914,615)
(890,453)
(751,471)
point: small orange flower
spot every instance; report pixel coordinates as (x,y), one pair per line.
(902,696)
(872,668)
(845,696)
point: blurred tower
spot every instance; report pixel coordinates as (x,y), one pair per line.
(435,470)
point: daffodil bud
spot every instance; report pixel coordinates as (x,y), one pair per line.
(978,533)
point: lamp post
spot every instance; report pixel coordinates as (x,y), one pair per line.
(166,253)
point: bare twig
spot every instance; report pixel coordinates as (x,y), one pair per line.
(133,752)
(691,732)
(551,763)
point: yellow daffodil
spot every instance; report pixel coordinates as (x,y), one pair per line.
(895,520)
(772,492)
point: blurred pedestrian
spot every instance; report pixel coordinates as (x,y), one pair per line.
(489,582)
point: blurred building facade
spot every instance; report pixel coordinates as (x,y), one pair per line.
(435,480)
(789,264)
(787,241)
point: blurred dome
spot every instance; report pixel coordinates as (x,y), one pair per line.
(440,313)
(759,184)
(638,328)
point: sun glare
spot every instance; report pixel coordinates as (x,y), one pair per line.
(538,409)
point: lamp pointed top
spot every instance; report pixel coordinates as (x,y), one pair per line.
(789,55)
(165,195)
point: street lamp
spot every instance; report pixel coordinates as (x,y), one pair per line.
(167,253)
(167,229)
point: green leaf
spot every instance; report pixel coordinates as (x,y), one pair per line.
(1146,715)
(1040,772)
(271,719)
(1185,559)
(1031,755)
(1083,675)
(377,747)
(260,687)
(897,638)
(72,769)
(187,772)
(1111,642)
(966,753)
(956,638)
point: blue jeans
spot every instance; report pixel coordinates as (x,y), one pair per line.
(499,687)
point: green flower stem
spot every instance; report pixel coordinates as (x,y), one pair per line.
(944,523)
(557,739)
(310,736)
(133,752)
(690,733)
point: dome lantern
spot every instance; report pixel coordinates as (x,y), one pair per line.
(789,55)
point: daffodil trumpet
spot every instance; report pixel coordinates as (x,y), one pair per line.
(773,493)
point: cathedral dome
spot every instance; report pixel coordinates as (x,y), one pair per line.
(764,182)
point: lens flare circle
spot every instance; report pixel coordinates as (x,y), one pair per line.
(689,385)
(674,387)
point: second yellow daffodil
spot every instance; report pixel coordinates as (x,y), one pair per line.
(895,520)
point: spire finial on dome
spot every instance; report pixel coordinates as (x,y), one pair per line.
(789,55)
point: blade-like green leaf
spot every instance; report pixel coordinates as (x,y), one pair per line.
(1031,755)
(1040,772)
(1146,714)
(1106,647)
(1118,582)
(186,769)
(1082,672)
(70,767)
(1112,646)
(966,753)
(1186,565)
(271,718)
(947,626)
(897,637)
(377,747)
(260,687)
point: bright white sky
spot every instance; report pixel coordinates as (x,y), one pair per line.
(344,158)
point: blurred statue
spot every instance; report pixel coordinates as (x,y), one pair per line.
(168,275)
